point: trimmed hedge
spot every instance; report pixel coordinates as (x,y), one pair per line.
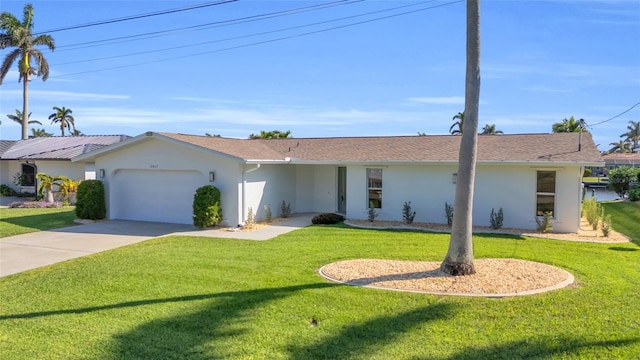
(206,207)
(327,219)
(90,203)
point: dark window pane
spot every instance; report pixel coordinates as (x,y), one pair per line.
(546,181)
(375,199)
(545,203)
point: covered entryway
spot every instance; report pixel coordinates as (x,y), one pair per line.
(154,195)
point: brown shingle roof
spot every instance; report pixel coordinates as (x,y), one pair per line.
(622,159)
(562,147)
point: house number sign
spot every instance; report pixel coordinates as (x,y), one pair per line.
(153,166)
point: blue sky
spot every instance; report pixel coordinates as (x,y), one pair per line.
(541,61)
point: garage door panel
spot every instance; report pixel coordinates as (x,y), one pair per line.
(154,195)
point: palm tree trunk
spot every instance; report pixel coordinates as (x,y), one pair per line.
(459,259)
(25,107)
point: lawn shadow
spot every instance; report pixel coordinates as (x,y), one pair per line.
(43,221)
(358,340)
(540,348)
(620,248)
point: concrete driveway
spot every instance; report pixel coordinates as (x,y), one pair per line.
(29,251)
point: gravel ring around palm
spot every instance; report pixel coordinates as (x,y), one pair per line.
(493,277)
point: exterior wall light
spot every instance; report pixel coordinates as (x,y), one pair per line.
(212,176)
(101,173)
(454,178)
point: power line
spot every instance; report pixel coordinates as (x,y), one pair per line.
(622,113)
(139,16)
(263,42)
(241,20)
(244,36)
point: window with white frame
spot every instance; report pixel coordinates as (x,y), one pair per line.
(545,192)
(374,188)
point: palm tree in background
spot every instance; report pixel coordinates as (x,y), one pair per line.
(459,122)
(31,61)
(275,134)
(491,130)
(40,133)
(633,134)
(567,125)
(621,146)
(18,118)
(459,259)
(63,116)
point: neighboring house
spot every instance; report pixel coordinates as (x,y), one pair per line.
(612,161)
(49,155)
(154,176)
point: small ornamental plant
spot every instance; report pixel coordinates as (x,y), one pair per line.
(448,212)
(372,214)
(544,222)
(267,213)
(606,225)
(251,221)
(407,214)
(285,209)
(496,219)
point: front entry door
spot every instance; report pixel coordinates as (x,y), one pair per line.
(342,190)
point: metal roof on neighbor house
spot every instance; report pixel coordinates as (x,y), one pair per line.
(5,145)
(58,148)
(544,148)
(622,159)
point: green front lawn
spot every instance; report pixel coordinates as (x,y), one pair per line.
(204,298)
(625,217)
(21,221)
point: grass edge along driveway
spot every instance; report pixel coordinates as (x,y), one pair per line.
(22,221)
(203,298)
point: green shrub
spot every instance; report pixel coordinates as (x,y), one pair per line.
(544,222)
(587,173)
(448,212)
(6,190)
(619,179)
(90,203)
(634,193)
(327,219)
(496,218)
(407,214)
(606,224)
(285,210)
(206,207)
(591,211)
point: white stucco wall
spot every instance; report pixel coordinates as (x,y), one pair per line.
(8,168)
(428,188)
(269,185)
(316,188)
(157,156)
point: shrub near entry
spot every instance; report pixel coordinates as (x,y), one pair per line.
(206,207)
(90,203)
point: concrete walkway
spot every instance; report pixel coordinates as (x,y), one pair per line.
(29,251)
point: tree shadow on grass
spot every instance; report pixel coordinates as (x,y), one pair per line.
(358,340)
(541,348)
(43,221)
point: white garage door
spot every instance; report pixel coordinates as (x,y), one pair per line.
(154,195)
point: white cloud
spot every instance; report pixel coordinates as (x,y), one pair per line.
(65,95)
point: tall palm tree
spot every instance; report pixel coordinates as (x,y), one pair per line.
(63,116)
(459,259)
(31,61)
(459,124)
(622,146)
(40,133)
(567,125)
(633,134)
(18,118)
(491,130)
